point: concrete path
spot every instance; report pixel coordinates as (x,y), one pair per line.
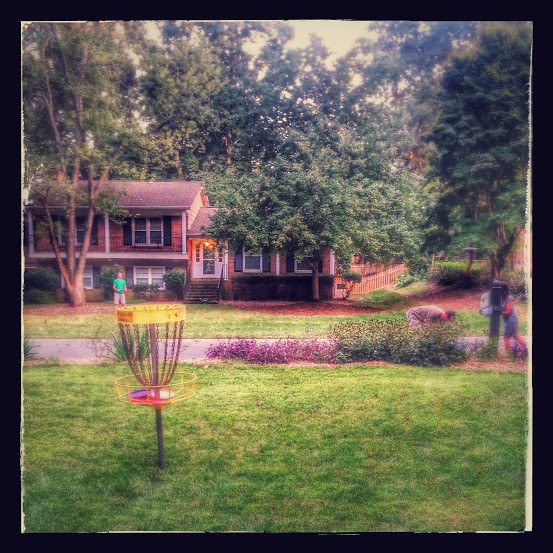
(99,350)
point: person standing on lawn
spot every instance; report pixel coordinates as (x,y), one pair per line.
(119,289)
(510,319)
(418,317)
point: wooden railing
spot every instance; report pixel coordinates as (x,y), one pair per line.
(371,283)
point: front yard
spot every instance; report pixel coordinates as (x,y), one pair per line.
(251,319)
(278,449)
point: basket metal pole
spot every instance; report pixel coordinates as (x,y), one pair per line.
(159,426)
(160,448)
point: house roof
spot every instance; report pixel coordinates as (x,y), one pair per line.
(157,194)
(148,194)
(202,220)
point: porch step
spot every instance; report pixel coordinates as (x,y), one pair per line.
(202,291)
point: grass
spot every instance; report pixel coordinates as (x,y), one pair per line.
(278,449)
(224,321)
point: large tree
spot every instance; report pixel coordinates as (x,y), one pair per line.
(482,139)
(78,109)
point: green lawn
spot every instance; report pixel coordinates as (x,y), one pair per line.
(223,321)
(278,449)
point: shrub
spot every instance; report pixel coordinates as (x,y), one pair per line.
(394,341)
(454,273)
(350,279)
(280,351)
(383,299)
(44,278)
(38,296)
(117,349)
(291,287)
(405,279)
(146,291)
(517,283)
(175,280)
(107,276)
(489,350)
(29,348)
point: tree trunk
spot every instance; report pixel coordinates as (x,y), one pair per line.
(76,295)
(315,281)
(493,267)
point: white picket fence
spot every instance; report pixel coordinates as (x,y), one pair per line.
(371,283)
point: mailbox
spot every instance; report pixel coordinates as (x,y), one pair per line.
(486,308)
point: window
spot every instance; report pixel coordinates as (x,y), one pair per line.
(88,279)
(80,228)
(252,261)
(197,253)
(304,265)
(149,275)
(148,230)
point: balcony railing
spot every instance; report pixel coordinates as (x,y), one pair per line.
(116,244)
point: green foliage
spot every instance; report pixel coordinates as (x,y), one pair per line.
(489,351)
(405,279)
(146,291)
(33,296)
(454,273)
(350,278)
(117,349)
(383,299)
(29,348)
(107,276)
(43,278)
(175,281)
(517,283)
(482,141)
(394,341)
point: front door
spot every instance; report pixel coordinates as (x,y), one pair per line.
(208,260)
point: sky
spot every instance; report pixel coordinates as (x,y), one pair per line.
(337,35)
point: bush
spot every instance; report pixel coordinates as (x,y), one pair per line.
(44,278)
(29,348)
(107,276)
(350,279)
(175,280)
(405,279)
(381,299)
(38,296)
(454,273)
(394,341)
(290,287)
(146,291)
(517,283)
(281,351)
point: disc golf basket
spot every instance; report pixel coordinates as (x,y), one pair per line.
(152,337)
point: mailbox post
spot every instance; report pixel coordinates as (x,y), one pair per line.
(495,302)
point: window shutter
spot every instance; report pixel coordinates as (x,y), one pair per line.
(25,232)
(266,261)
(238,257)
(94,233)
(289,262)
(320,265)
(129,277)
(127,232)
(96,277)
(167,236)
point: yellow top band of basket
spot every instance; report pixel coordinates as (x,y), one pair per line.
(151,313)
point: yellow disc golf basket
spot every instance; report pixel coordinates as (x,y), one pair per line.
(152,339)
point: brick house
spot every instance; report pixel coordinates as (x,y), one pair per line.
(166,230)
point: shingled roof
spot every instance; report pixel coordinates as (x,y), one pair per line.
(148,194)
(202,220)
(157,194)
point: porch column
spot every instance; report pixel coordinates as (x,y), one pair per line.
(106,233)
(183,219)
(225,262)
(331,262)
(31,233)
(277,264)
